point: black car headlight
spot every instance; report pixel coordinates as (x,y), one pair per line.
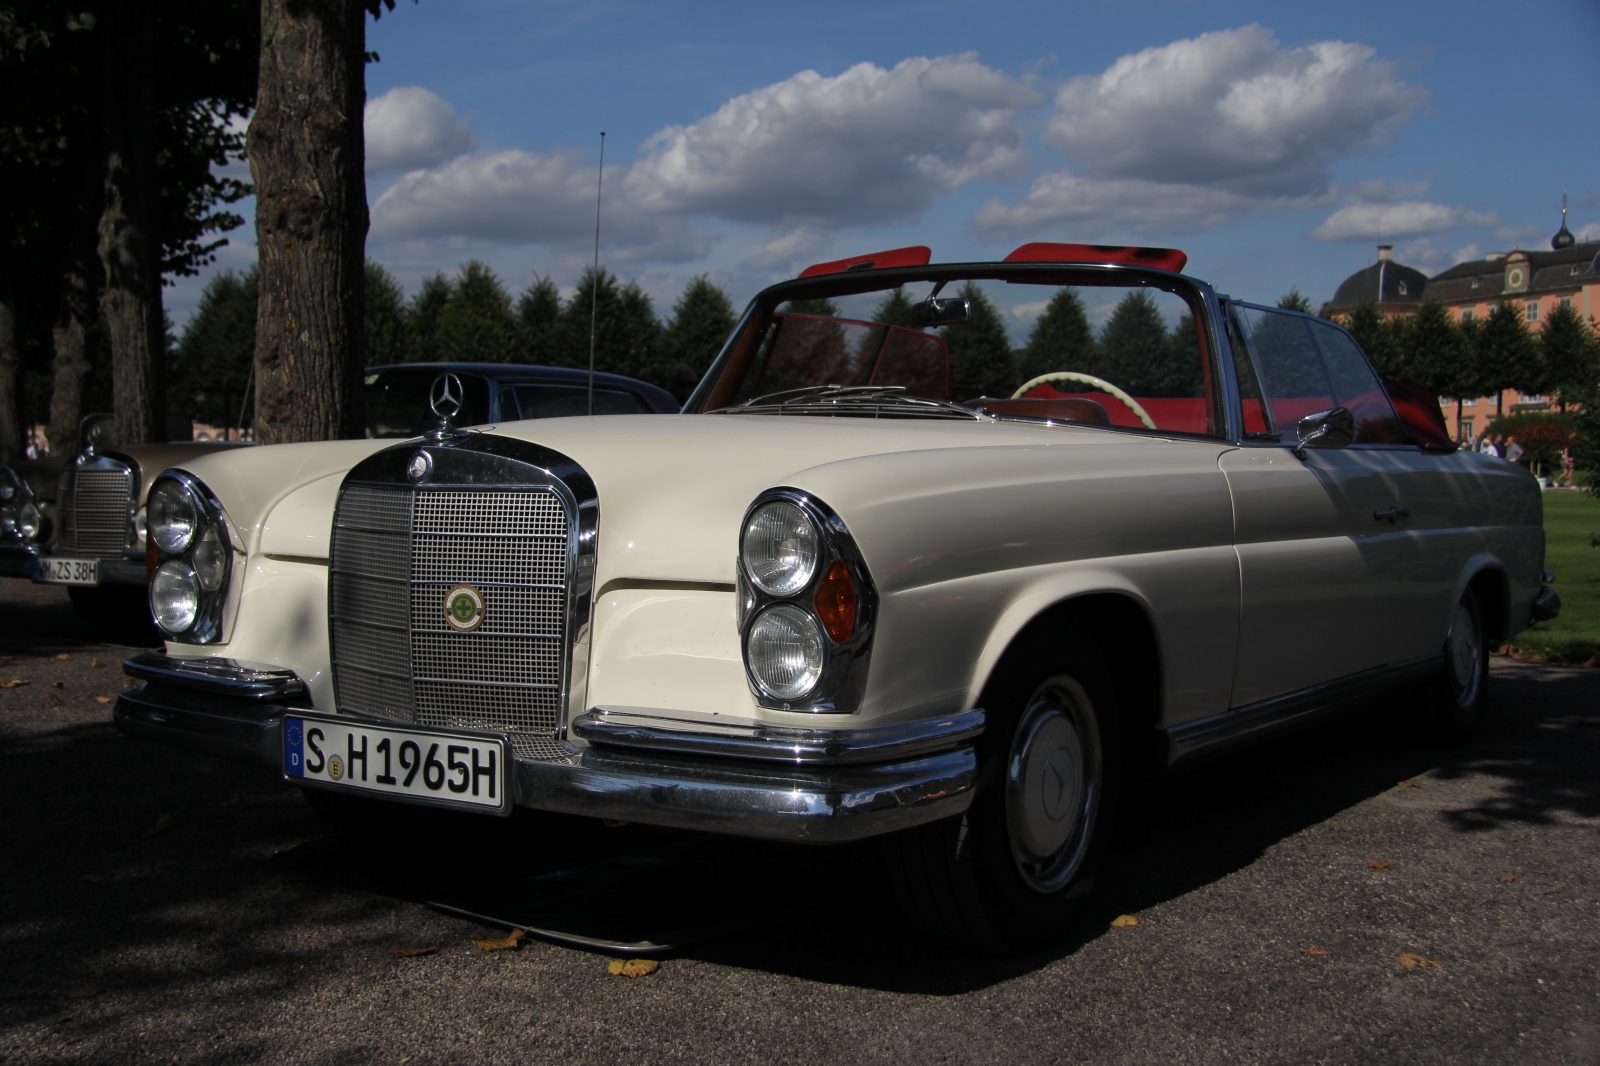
(806,605)
(20,521)
(190,551)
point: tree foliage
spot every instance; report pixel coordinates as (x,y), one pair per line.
(1379,338)
(1061,339)
(475,325)
(1571,353)
(1137,353)
(385,315)
(701,321)
(980,351)
(536,313)
(1295,300)
(210,368)
(894,309)
(1507,354)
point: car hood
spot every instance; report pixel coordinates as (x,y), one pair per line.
(673,489)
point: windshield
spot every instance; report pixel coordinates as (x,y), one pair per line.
(1116,348)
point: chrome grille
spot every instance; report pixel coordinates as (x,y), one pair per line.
(93,510)
(397,552)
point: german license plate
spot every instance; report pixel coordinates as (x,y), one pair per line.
(396,762)
(56,571)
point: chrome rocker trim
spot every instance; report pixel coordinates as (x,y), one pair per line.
(807,801)
(638,729)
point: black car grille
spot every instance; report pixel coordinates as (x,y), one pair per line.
(92,509)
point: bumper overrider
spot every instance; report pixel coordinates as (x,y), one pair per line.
(819,785)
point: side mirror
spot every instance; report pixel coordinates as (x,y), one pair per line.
(941,312)
(1334,428)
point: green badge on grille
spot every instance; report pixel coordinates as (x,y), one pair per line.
(463,608)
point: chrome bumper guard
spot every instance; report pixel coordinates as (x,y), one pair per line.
(1546,604)
(812,785)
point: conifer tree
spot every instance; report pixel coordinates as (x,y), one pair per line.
(422,319)
(980,351)
(1295,300)
(1377,337)
(701,321)
(1509,356)
(475,324)
(894,309)
(1435,353)
(1061,338)
(1137,354)
(384,316)
(1571,353)
(536,313)
(211,365)
(627,332)
(824,306)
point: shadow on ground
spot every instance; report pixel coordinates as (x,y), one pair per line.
(249,871)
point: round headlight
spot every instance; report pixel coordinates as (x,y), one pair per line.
(8,518)
(28,521)
(172,516)
(174,595)
(780,548)
(785,652)
(210,560)
(7,489)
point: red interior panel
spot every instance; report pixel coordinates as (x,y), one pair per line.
(916,255)
(1044,252)
(1419,412)
(1183,414)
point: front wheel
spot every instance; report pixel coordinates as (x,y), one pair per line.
(1451,704)
(1003,878)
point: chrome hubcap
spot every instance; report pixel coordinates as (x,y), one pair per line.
(1465,649)
(1053,784)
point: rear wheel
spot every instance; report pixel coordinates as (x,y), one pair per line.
(1003,878)
(1451,704)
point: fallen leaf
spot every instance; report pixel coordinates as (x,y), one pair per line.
(163,823)
(85,992)
(500,943)
(633,967)
(63,657)
(1408,784)
(102,699)
(14,684)
(1124,921)
(94,879)
(411,953)
(1377,866)
(1413,961)
(1508,878)
(1314,950)
(58,684)
(96,664)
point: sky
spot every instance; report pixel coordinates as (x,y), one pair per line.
(1276,144)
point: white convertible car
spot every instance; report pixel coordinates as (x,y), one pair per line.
(833,601)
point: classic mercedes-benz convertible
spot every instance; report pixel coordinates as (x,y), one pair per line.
(831,600)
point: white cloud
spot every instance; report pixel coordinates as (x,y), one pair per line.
(868,146)
(1233,110)
(1092,206)
(1430,259)
(409,127)
(1407,219)
(1528,236)
(789,253)
(517,197)
(1589,231)
(1028,312)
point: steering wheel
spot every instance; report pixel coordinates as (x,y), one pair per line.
(1098,383)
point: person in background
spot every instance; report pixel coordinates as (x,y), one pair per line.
(1568,467)
(1514,451)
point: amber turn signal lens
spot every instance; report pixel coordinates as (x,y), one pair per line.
(836,602)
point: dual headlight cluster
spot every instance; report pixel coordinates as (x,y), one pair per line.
(805,604)
(19,515)
(190,552)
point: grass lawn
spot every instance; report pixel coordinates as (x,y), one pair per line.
(1571,523)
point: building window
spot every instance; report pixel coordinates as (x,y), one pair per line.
(1533,310)
(1402,288)
(1527,398)
(1467,314)
(1475,282)
(1469,403)
(1466,429)
(1566,301)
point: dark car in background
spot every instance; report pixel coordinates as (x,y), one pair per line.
(79,521)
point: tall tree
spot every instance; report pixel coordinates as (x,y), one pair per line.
(383,317)
(422,319)
(1061,338)
(894,309)
(823,306)
(1571,353)
(306,150)
(701,321)
(212,363)
(537,311)
(1295,300)
(1137,354)
(1378,338)
(627,332)
(476,324)
(1434,351)
(980,351)
(1508,355)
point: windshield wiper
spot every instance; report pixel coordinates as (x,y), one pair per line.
(859,400)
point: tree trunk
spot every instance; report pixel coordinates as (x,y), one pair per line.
(307,156)
(130,301)
(10,427)
(71,366)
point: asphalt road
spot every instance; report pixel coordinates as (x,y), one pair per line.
(157,906)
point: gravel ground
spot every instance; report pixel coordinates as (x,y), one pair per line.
(165,907)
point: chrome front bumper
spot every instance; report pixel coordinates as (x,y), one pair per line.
(815,785)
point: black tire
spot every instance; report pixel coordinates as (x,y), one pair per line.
(118,614)
(1005,877)
(1450,705)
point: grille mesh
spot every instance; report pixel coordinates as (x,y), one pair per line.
(397,553)
(93,511)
